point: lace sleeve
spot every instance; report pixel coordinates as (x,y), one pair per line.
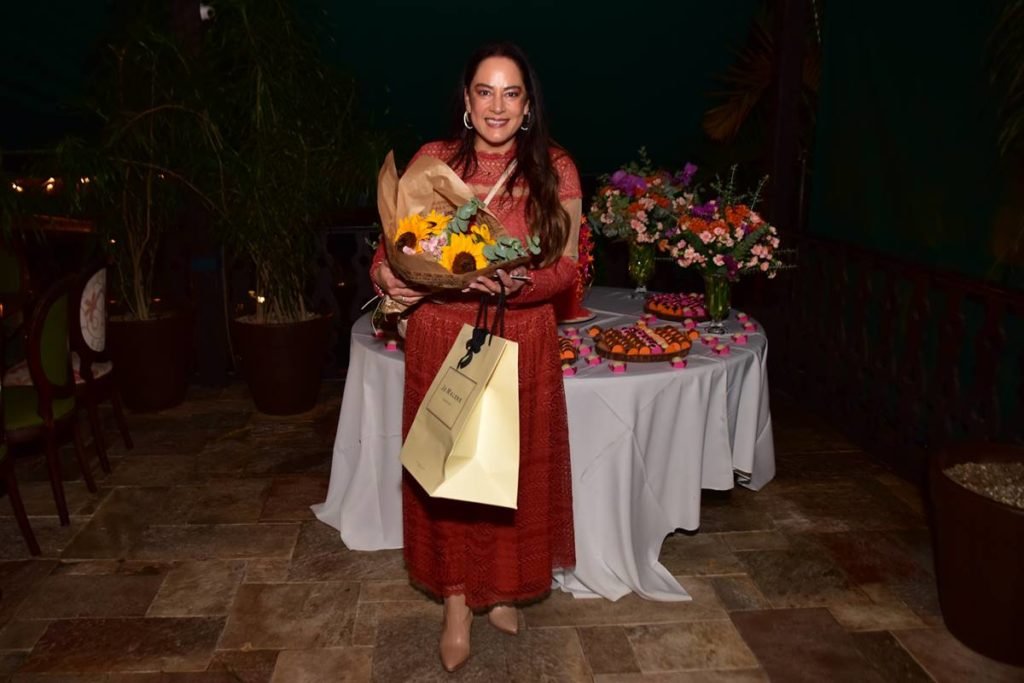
(568,177)
(547,282)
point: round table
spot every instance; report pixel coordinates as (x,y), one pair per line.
(643,445)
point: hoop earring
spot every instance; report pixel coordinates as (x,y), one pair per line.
(465,120)
(526,122)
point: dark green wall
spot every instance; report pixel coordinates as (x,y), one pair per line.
(906,143)
(614,80)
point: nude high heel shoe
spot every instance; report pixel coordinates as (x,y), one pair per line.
(455,630)
(504,618)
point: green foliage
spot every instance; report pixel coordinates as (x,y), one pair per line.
(1006,72)
(459,224)
(155,143)
(294,149)
(510,249)
(728,195)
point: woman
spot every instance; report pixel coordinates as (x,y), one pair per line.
(479,557)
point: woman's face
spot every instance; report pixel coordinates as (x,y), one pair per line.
(497,103)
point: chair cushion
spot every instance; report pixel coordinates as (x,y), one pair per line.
(98,369)
(92,312)
(18,375)
(21,408)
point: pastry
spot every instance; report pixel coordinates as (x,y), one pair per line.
(677,307)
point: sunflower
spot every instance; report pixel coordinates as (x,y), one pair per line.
(463,254)
(482,231)
(437,221)
(411,230)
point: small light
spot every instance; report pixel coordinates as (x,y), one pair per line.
(261,299)
(49,187)
(113,241)
(85,180)
(156,299)
(17,188)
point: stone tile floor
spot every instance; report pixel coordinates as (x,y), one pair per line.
(199,561)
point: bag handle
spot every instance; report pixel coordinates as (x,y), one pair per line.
(481,333)
(501,181)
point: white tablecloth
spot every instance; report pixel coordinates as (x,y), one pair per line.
(643,445)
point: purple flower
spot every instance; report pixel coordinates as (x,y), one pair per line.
(628,183)
(705,211)
(686,175)
(730,265)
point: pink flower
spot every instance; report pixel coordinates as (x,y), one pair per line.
(764,265)
(719,260)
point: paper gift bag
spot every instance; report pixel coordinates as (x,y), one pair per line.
(464,442)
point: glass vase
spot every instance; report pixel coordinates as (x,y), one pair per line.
(717,300)
(641,267)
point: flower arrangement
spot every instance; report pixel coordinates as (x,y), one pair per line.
(457,243)
(724,236)
(638,203)
(437,233)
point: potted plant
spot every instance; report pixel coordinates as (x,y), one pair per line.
(292,154)
(977,512)
(152,144)
(977,516)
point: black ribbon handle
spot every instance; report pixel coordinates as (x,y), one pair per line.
(481,333)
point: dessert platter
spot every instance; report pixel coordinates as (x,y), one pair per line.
(677,306)
(641,343)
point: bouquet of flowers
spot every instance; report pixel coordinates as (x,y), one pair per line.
(569,304)
(585,256)
(724,236)
(437,233)
(638,203)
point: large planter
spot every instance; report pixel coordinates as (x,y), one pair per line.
(979,557)
(282,363)
(151,359)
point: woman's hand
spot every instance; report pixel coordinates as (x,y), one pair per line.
(395,287)
(488,285)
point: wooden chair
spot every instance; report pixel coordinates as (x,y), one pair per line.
(39,394)
(15,298)
(11,481)
(94,372)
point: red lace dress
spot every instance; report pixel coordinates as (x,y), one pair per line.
(495,555)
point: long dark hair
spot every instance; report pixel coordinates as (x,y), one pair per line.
(545,214)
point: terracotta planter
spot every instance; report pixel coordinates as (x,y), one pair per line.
(282,363)
(151,360)
(979,557)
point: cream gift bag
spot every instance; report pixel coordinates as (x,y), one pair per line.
(464,442)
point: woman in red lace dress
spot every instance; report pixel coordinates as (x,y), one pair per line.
(479,557)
